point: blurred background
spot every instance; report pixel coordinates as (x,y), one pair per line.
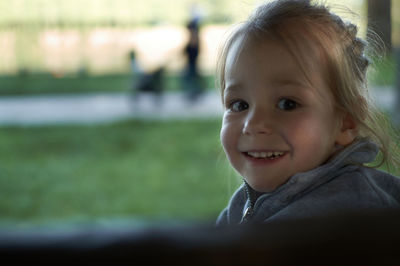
(109,111)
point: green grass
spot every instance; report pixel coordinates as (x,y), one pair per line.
(383,72)
(43,83)
(134,169)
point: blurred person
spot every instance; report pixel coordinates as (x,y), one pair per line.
(298,126)
(144,82)
(192,83)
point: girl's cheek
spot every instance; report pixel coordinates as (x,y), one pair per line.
(223,135)
(227,136)
(231,129)
(230,117)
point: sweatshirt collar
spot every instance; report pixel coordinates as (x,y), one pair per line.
(359,152)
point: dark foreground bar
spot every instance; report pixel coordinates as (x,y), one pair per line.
(357,239)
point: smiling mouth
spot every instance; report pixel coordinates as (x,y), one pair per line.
(264,155)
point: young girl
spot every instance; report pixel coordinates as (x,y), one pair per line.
(298,126)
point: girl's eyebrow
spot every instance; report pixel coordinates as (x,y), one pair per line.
(288,82)
(232,87)
(284,83)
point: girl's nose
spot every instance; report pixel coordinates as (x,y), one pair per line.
(257,122)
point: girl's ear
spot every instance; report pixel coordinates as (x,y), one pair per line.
(348,131)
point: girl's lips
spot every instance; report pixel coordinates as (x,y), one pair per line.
(262,160)
(265,154)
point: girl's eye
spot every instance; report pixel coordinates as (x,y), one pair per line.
(238,106)
(287,104)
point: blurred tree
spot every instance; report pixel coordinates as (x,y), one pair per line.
(397,106)
(379,22)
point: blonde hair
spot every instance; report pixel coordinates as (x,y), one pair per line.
(312,33)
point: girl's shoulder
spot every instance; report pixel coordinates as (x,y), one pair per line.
(381,179)
(372,184)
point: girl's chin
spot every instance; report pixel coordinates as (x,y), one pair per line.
(262,187)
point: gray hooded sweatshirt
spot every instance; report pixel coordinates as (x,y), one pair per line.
(340,185)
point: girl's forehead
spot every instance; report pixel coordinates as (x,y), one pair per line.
(302,43)
(266,54)
(273,61)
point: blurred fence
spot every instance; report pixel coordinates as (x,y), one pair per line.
(100,49)
(84,36)
(78,36)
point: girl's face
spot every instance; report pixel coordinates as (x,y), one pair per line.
(276,122)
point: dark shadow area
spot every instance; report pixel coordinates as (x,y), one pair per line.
(348,239)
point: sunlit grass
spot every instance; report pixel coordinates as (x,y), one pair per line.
(381,74)
(32,83)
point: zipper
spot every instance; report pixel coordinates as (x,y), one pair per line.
(248,213)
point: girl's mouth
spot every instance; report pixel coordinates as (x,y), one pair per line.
(271,155)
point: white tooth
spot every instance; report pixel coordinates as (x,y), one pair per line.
(254,154)
(264,154)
